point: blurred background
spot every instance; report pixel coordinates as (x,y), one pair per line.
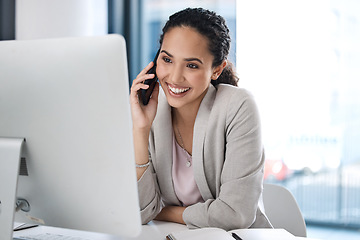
(301,60)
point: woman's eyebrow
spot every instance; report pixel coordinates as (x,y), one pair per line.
(186,59)
(163,51)
(193,59)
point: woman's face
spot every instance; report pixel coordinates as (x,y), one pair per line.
(184,67)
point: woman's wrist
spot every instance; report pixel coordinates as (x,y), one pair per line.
(141,144)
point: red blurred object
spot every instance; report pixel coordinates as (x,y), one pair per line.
(275,169)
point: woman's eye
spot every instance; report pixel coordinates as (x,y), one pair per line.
(166,59)
(192,66)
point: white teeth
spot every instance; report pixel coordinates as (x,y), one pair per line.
(178,90)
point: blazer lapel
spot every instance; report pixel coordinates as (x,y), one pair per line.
(198,142)
(164,149)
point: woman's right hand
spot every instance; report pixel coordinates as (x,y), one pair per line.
(143,116)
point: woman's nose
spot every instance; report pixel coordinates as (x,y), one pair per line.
(176,75)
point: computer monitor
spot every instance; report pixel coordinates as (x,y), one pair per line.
(69,99)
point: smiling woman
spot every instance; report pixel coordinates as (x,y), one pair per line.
(197,143)
(184,68)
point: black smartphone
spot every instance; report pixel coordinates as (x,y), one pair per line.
(145,94)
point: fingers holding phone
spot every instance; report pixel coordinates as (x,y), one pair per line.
(139,82)
(143,115)
(145,94)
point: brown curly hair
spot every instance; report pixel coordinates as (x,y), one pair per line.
(214,28)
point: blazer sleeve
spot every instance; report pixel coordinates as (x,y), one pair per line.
(236,204)
(151,192)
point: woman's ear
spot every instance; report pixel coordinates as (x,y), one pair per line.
(218,70)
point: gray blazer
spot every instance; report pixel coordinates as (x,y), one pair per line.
(228,163)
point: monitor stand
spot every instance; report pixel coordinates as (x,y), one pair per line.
(10,152)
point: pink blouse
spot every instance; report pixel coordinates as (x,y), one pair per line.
(185,186)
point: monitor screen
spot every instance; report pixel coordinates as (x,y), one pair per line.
(69,99)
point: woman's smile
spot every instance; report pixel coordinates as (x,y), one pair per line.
(177,91)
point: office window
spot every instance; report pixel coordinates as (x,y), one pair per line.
(301,59)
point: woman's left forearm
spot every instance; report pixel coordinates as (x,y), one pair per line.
(171,214)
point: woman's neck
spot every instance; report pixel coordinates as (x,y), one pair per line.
(184,116)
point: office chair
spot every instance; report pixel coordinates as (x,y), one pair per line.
(282,209)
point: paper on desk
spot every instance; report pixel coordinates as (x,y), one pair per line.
(264,233)
(201,234)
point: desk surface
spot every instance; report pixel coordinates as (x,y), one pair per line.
(155,230)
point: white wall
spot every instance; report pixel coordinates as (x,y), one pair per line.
(60,18)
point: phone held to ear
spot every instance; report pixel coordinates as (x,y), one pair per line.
(145,94)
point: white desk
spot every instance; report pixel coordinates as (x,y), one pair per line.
(155,230)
